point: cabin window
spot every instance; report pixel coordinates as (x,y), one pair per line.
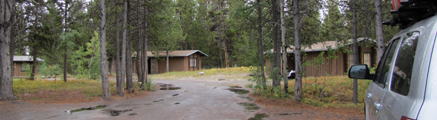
(193,62)
(367,59)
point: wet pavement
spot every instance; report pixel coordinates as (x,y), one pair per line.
(176,100)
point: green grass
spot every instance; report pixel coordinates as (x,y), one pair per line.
(207,72)
(91,88)
(28,86)
(329,91)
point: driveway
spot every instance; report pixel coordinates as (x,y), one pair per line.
(195,100)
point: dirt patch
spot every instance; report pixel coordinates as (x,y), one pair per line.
(291,104)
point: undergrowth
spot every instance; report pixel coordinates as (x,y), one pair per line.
(328,91)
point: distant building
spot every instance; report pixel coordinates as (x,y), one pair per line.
(179,60)
(332,66)
(23,64)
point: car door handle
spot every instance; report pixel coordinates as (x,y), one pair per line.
(369,96)
(377,106)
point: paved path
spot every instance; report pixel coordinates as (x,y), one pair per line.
(195,100)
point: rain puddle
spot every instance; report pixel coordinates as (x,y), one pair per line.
(170,88)
(167,87)
(175,95)
(259,116)
(116,112)
(235,86)
(239,91)
(283,114)
(126,105)
(249,106)
(86,108)
(159,100)
(164,85)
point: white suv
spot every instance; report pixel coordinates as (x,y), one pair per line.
(404,86)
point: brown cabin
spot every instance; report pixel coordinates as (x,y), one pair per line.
(337,65)
(23,64)
(179,60)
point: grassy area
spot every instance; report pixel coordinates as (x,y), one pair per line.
(207,72)
(329,91)
(89,88)
(332,91)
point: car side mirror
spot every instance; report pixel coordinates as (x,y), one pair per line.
(360,72)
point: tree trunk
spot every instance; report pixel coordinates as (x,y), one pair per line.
(355,50)
(145,60)
(225,49)
(379,30)
(117,55)
(34,47)
(34,63)
(166,59)
(276,45)
(139,66)
(284,50)
(139,46)
(123,44)
(6,91)
(260,45)
(65,50)
(12,44)
(103,64)
(298,92)
(129,84)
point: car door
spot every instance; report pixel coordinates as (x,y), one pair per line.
(378,87)
(400,100)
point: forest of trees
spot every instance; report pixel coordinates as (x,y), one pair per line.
(80,37)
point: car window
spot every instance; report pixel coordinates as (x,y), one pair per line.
(384,65)
(400,82)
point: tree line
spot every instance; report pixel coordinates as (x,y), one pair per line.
(82,37)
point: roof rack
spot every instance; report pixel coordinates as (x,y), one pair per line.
(408,12)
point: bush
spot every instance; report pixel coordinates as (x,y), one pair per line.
(321,91)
